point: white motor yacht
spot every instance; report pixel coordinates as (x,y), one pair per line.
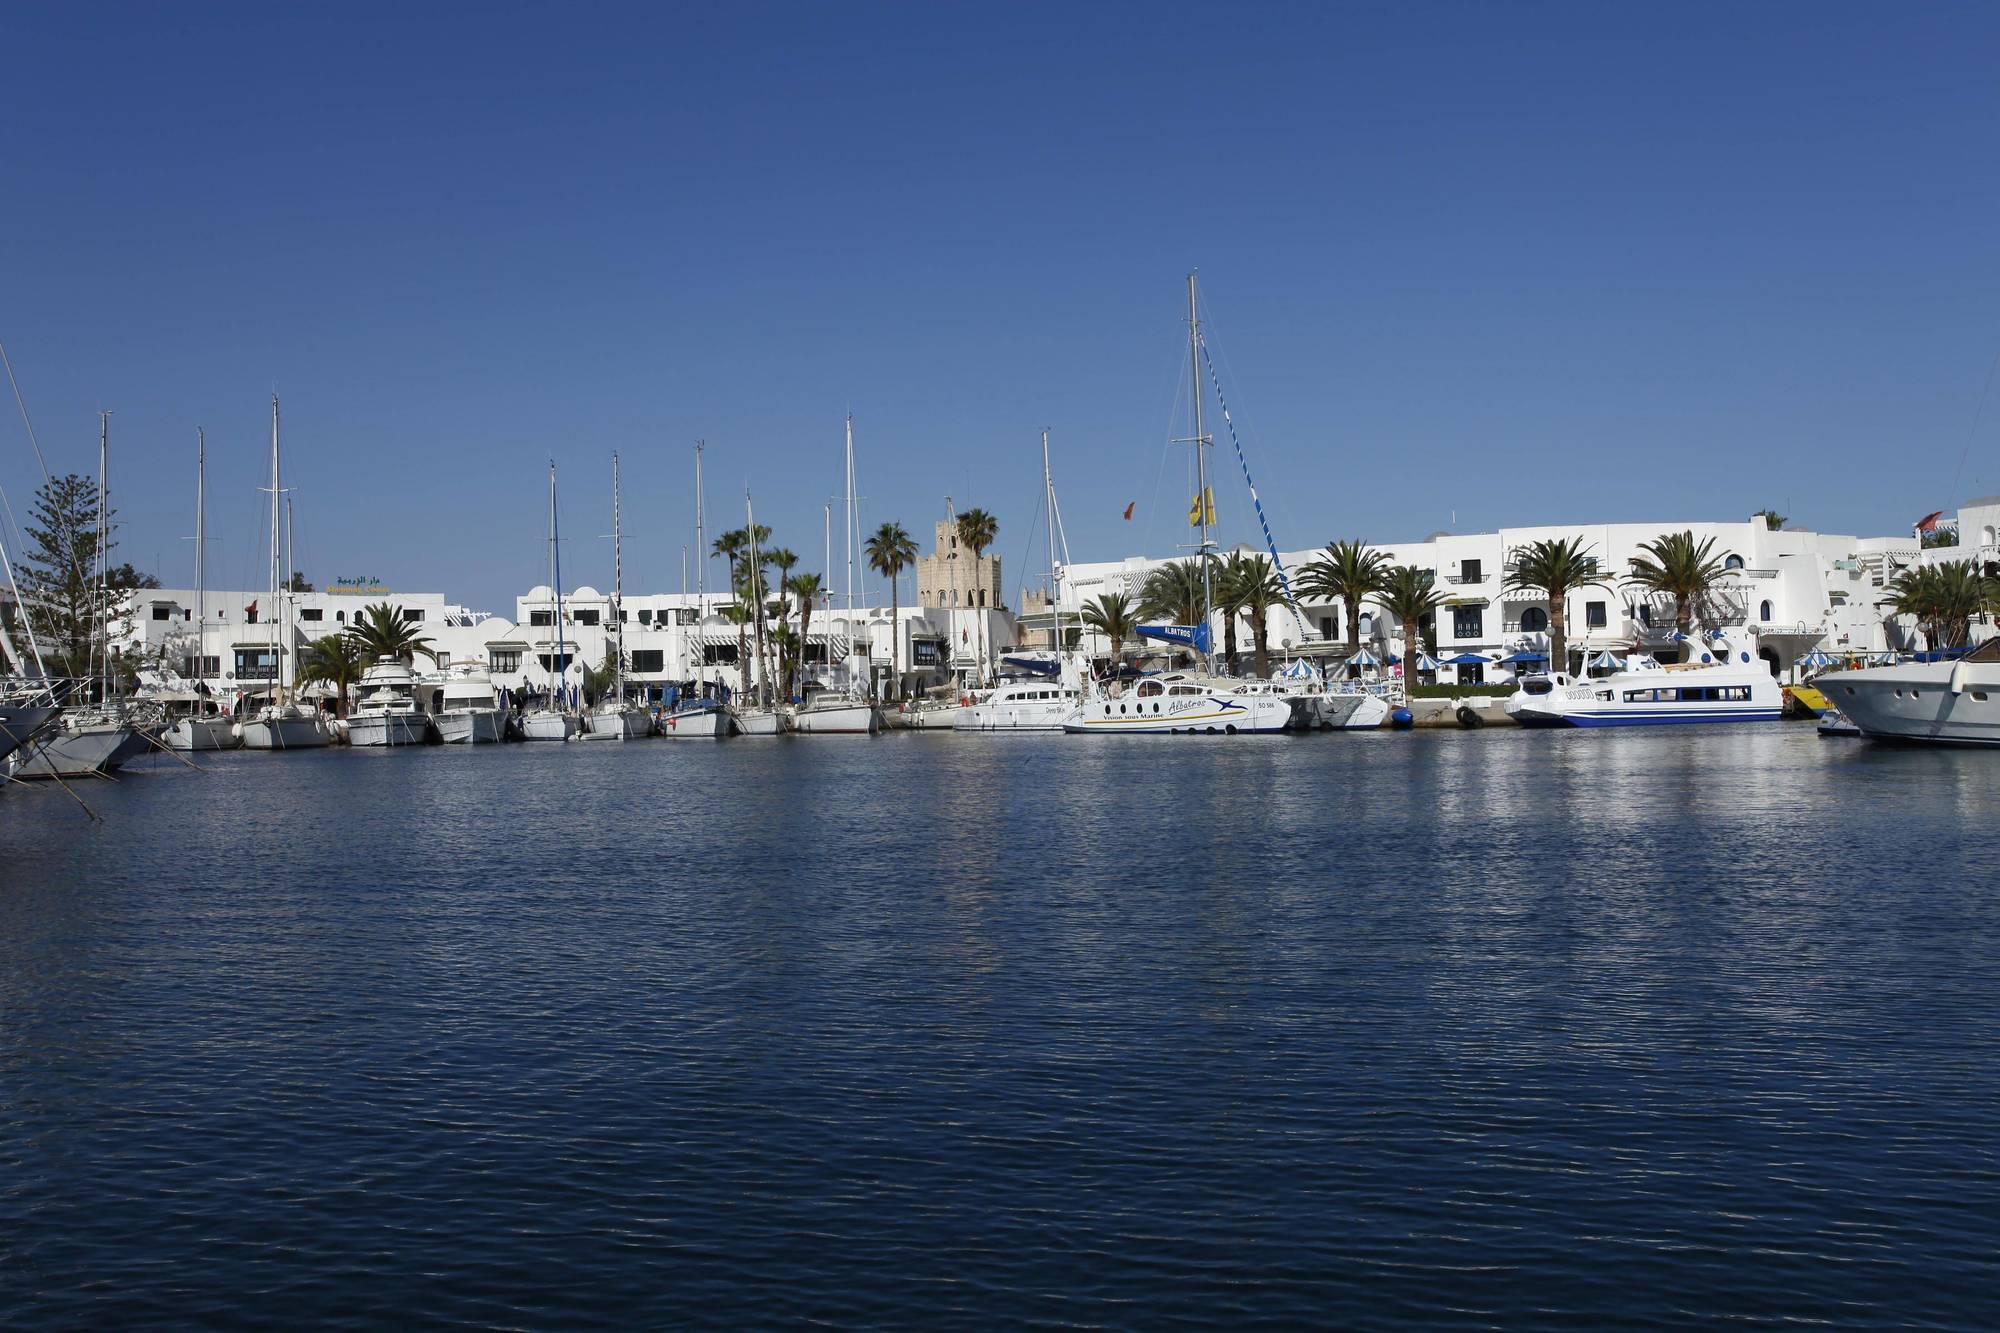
(1020,705)
(386,710)
(1178,704)
(1938,703)
(466,709)
(1651,696)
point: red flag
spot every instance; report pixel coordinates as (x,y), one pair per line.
(1128,510)
(250,610)
(1928,523)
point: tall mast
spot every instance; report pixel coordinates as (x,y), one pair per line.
(847,537)
(757,591)
(277,553)
(555,592)
(200,547)
(617,588)
(101,659)
(700,543)
(1055,578)
(291,566)
(1200,451)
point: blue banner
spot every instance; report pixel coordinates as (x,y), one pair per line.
(1188,636)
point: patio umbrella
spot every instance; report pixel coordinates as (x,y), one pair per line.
(1607,660)
(1468,659)
(1425,662)
(1522,657)
(1364,658)
(1815,660)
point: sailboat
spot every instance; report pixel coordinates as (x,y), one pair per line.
(281,724)
(553,721)
(697,716)
(848,712)
(759,716)
(1185,703)
(201,730)
(94,737)
(615,719)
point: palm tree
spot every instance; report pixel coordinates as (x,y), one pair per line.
(890,551)
(978,529)
(337,659)
(1556,567)
(1112,616)
(783,560)
(1409,593)
(805,587)
(382,632)
(786,644)
(1174,592)
(1231,595)
(731,546)
(1943,598)
(1348,573)
(1679,565)
(1261,589)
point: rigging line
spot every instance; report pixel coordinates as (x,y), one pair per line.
(22,403)
(1181,373)
(1270,542)
(1973,433)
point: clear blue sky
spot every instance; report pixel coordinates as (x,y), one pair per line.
(1520,263)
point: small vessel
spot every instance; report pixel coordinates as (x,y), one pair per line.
(281,724)
(466,709)
(760,716)
(87,741)
(386,710)
(938,709)
(198,729)
(553,719)
(698,719)
(22,718)
(1179,704)
(615,719)
(762,722)
(1042,704)
(1681,692)
(1936,703)
(827,713)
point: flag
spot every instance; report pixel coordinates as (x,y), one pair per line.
(1201,509)
(1128,510)
(250,610)
(1928,523)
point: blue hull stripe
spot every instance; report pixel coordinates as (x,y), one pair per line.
(1651,718)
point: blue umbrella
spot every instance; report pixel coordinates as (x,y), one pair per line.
(1815,660)
(1522,657)
(1364,658)
(1468,659)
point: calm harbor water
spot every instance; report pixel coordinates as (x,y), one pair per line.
(1687,1027)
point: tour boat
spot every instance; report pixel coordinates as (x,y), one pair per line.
(386,711)
(466,709)
(1022,705)
(1939,703)
(1178,704)
(1675,693)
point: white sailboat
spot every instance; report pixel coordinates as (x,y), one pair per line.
(200,730)
(281,724)
(844,712)
(698,717)
(552,721)
(614,718)
(1185,703)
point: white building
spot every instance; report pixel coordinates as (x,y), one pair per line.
(1791,590)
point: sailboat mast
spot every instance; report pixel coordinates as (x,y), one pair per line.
(200,548)
(555,592)
(277,553)
(1055,578)
(847,536)
(700,543)
(617,588)
(757,591)
(1200,447)
(100,639)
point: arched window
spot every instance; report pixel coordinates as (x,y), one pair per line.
(1732,562)
(1764,611)
(1986,535)
(1534,620)
(1367,624)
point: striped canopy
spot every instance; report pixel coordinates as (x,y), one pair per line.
(1365,658)
(1815,660)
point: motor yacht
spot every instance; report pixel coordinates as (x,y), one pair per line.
(1937,703)
(1040,704)
(466,709)
(386,710)
(1179,704)
(1680,692)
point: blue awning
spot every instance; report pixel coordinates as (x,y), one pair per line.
(1468,659)
(1522,657)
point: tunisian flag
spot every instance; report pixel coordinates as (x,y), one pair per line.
(1928,523)
(250,610)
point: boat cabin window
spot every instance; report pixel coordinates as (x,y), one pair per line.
(1149,688)
(1537,685)
(1184,689)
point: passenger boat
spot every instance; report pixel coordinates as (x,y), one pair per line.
(385,710)
(1938,703)
(1675,693)
(1021,705)
(1179,704)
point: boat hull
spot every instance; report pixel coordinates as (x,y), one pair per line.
(302,732)
(547,726)
(471,726)
(18,722)
(621,725)
(701,724)
(377,730)
(761,722)
(1200,715)
(1037,716)
(846,719)
(1918,703)
(203,733)
(85,752)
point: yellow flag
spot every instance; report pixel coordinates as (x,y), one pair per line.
(1201,509)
